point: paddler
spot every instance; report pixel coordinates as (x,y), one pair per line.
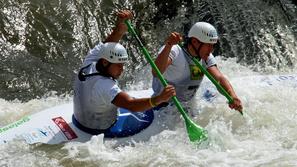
(96,92)
(181,72)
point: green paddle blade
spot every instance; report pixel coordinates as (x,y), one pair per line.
(195,132)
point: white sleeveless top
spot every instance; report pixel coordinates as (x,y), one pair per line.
(183,74)
(92,97)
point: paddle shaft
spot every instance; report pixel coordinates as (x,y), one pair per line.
(155,68)
(210,77)
(195,132)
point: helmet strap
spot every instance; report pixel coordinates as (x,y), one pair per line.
(103,70)
(197,51)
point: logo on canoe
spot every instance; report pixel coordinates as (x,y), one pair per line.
(65,128)
(15,124)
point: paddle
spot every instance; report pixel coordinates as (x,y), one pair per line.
(210,77)
(195,132)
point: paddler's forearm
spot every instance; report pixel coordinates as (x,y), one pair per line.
(162,59)
(117,33)
(120,28)
(123,100)
(140,105)
(227,86)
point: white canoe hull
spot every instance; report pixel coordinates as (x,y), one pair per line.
(54,125)
(51,126)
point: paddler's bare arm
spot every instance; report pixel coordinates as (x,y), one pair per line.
(120,29)
(123,100)
(215,72)
(163,60)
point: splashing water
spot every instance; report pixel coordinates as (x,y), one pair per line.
(43,43)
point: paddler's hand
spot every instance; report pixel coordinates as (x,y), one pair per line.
(237,105)
(173,39)
(165,95)
(122,16)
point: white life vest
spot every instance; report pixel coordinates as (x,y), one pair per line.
(92,100)
(187,86)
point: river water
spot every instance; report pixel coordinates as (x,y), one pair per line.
(42,44)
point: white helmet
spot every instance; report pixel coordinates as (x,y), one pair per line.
(204,32)
(114,52)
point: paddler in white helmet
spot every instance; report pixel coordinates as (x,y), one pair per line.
(96,92)
(179,70)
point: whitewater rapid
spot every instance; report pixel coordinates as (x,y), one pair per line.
(265,136)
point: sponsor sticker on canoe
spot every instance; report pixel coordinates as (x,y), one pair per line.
(41,134)
(15,124)
(65,128)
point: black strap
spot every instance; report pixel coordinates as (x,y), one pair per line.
(85,129)
(82,76)
(89,130)
(188,55)
(197,50)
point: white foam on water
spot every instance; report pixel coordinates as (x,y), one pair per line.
(11,111)
(265,136)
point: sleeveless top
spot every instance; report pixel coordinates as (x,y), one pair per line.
(93,96)
(183,74)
